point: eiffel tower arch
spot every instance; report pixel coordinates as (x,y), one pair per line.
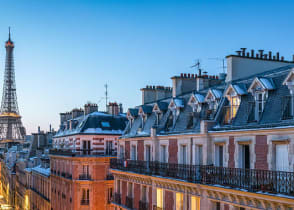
(11,128)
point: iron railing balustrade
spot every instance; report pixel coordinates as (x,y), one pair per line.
(143,205)
(253,180)
(129,202)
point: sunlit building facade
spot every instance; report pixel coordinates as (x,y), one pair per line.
(216,143)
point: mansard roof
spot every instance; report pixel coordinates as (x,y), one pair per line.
(96,123)
(272,115)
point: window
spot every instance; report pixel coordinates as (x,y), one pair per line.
(109,148)
(190,123)
(144,194)
(198,155)
(85,197)
(147,153)
(179,201)
(118,186)
(130,189)
(121,152)
(282,157)
(163,155)
(133,152)
(260,99)
(158,117)
(195,203)
(244,156)
(85,169)
(217,206)
(219,154)
(86,147)
(105,124)
(170,121)
(159,197)
(183,154)
(231,111)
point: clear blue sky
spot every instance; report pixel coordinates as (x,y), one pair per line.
(65,51)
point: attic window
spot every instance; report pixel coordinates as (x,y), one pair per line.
(105,124)
(170,122)
(232,109)
(190,123)
(260,100)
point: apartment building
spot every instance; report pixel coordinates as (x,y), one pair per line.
(212,142)
(80,158)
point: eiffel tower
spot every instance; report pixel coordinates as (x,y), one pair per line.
(11,128)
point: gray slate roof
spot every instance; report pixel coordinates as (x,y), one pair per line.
(271,116)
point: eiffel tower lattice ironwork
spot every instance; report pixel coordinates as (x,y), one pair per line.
(11,128)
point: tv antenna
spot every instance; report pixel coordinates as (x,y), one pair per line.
(223,63)
(197,65)
(106,96)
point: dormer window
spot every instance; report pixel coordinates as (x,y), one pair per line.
(131,114)
(196,101)
(288,101)
(212,99)
(158,109)
(144,111)
(174,107)
(259,89)
(233,94)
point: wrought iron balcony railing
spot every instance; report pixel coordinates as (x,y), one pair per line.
(129,202)
(143,205)
(252,180)
(117,198)
(85,202)
(85,177)
(109,177)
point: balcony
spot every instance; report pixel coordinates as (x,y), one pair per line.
(129,202)
(85,177)
(143,205)
(117,198)
(85,202)
(109,177)
(81,153)
(253,180)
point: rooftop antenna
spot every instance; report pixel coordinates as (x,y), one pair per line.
(106,96)
(9,33)
(197,65)
(223,63)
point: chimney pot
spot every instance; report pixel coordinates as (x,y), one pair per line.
(274,57)
(181,74)
(243,51)
(188,75)
(282,58)
(293,58)
(265,56)
(257,55)
(185,75)
(270,55)
(238,52)
(261,53)
(252,53)
(278,56)
(247,54)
